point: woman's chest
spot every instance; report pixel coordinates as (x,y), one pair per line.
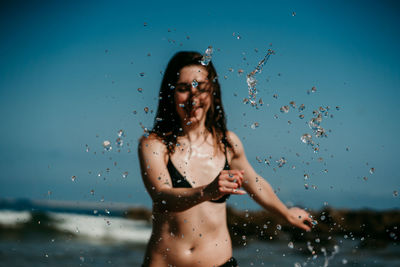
(198,167)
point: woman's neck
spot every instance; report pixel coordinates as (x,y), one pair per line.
(195,132)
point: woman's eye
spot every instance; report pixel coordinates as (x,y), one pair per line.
(182,89)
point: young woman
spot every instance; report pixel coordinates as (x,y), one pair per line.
(190,165)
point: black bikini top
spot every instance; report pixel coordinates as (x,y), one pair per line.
(179,181)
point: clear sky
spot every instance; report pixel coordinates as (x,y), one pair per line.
(70,70)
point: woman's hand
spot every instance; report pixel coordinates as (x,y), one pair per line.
(227,182)
(300,218)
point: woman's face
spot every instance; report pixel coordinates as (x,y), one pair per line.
(193,94)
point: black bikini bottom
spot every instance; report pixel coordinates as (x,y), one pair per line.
(230,263)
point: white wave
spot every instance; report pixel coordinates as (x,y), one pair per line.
(14,218)
(103,227)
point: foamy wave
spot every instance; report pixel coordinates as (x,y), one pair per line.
(103,228)
(14,218)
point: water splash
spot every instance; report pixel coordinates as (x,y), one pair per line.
(327,259)
(251,80)
(205,60)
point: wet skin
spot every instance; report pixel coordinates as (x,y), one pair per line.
(188,229)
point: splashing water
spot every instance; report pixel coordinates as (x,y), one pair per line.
(327,259)
(205,60)
(251,80)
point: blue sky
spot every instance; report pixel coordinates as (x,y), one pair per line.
(70,70)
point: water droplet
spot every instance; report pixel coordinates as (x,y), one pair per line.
(313,89)
(82,259)
(140,90)
(337,108)
(296,264)
(194,83)
(293,104)
(107,145)
(164,202)
(372,170)
(146,110)
(278,227)
(284,109)
(395,193)
(119,142)
(254,125)
(205,60)
(306,186)
(275,96)
(73,178)
(306,139)
(141,74)
(238,37)
(344,261)
(302,107)
(125,174)
(291,245)
(107,211)
(121,133)
(282,161)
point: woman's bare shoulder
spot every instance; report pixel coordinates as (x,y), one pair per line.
(152,142)
(234,140)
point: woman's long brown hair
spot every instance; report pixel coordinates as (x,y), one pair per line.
(167,124)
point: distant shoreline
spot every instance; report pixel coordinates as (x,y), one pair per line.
(371,228)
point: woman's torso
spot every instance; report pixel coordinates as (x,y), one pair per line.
(197,236)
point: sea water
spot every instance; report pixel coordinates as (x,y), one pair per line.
(70,239)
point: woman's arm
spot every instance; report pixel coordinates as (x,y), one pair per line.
(156,178)
(261,191)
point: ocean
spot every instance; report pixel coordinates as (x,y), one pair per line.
(60,235)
